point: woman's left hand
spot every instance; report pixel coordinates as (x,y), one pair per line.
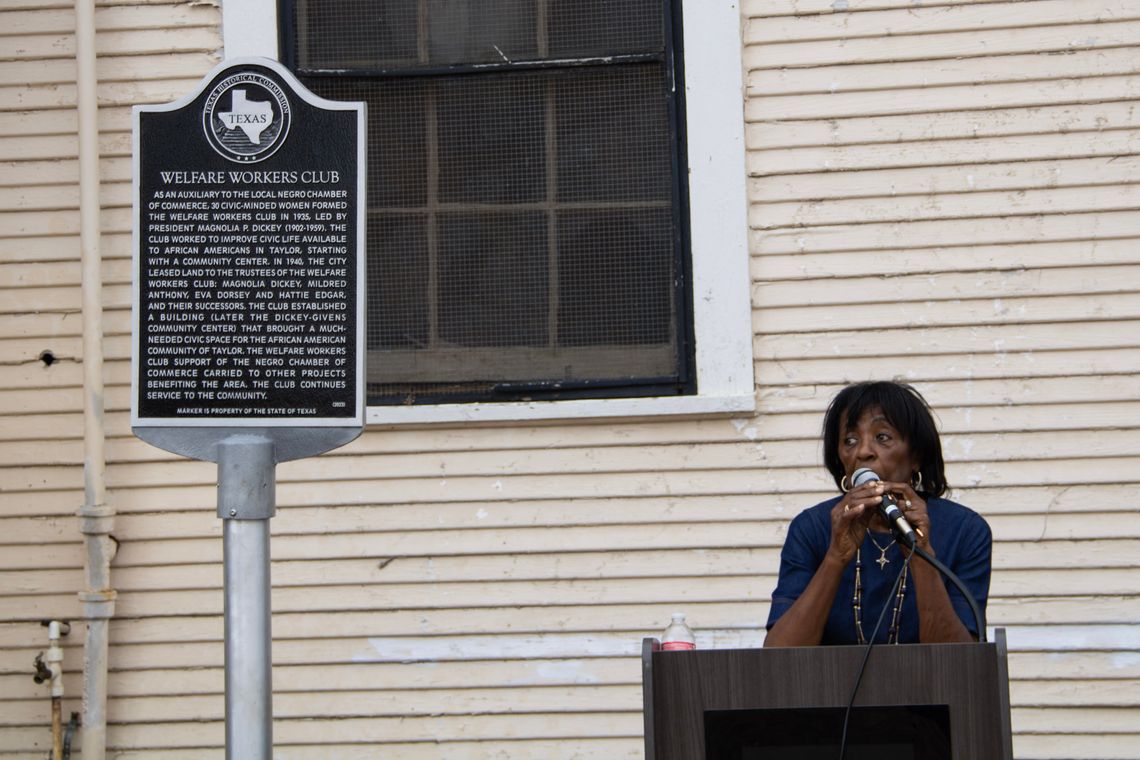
(913,508)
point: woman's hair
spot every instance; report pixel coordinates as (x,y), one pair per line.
(906,410)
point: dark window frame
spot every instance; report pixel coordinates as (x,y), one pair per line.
(672,59)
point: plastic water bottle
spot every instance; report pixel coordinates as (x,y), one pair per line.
(678,636)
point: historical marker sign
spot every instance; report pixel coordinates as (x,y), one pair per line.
(248,317)
(249,257)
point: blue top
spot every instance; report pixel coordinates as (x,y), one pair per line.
(961,540)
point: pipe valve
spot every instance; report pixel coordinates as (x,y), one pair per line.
(43,672)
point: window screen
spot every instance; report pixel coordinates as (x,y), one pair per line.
(526,205)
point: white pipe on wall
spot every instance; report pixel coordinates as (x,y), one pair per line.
(55,665)
(96,518)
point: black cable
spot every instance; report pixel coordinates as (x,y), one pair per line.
(908,542)
(867,655)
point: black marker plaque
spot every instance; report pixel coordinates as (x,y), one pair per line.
(248,260)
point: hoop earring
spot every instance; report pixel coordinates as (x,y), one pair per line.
(844,486)
(916,481)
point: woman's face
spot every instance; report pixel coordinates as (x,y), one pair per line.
(875,443)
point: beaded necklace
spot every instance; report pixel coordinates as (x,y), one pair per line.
(857,601)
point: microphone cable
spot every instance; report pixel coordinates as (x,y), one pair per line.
(867,655)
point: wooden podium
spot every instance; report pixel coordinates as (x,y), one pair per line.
(922,701)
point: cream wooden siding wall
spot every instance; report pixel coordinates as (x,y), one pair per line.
(939,192)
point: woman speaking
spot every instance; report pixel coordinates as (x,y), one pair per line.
(840,566)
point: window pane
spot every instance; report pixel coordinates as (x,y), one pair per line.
(491,139)
(616,276)
(493,279)
(613,136)
(488,31)
(337,34)
(583,28)
(397,143)
(398,282)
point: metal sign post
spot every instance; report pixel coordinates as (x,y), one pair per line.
(245,504)
(248,318)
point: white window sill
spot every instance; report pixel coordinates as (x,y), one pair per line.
(580,409)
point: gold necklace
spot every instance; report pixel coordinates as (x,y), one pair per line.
(857,601)
(882,561)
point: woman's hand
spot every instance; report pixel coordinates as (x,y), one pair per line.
(913,508)
(850,519)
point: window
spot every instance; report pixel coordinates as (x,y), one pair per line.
(528,219)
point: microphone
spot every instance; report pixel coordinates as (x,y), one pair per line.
(889,509)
